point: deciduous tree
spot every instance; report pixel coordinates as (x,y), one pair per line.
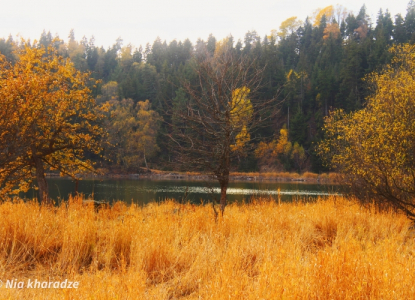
(48,119)
(287,27)
(132,133)
(282,152)
(144,138)
(222,111)
(319,13)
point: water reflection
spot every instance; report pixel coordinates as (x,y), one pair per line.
(144,191)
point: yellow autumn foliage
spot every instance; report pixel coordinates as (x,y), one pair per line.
(48,118)
(241,106)
(327,11)
(241,139)
(223,46)
(241,114)
(374,148)
(287,27)
(283,146)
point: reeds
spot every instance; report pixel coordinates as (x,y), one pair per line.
(329,249)
(309,175)
(324,177)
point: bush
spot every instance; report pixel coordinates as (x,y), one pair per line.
(374,148)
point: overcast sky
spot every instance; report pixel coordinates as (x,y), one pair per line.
(139,22)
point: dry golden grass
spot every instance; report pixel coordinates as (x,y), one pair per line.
(287,175)
(329,177)
(193,173)
(169,173)
(310,175)
(324,177)
(331,249)
(283,175)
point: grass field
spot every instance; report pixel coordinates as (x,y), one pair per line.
(330,249)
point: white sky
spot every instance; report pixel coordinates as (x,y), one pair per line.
(138,22)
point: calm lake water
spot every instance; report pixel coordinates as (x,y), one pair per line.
(146,190)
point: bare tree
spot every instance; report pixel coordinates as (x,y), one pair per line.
(213,126)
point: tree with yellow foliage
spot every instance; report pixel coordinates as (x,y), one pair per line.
(132,132)
(48,119)
(327,11)
(374,148)
(282,151)
(223,45)
(287,27)
(143,140)
(283,145)
(334,16)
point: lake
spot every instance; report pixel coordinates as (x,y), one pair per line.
(147,190)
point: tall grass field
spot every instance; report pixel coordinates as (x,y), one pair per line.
(328,249)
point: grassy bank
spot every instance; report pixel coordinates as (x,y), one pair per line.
(330,249)
(279,176)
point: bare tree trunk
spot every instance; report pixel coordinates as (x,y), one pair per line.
(76,187)
(41,180)
(145,160)
(223,201)
(219,109)
(224,182)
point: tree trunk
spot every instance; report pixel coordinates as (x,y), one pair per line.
(41,180)
(224,181)
(145,160)
(76,187)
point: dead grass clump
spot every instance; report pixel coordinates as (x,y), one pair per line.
(326,231)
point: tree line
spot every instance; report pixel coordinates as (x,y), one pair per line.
(314,66)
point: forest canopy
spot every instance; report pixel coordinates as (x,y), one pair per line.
(319,64)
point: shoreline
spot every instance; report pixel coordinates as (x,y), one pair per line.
(307,177)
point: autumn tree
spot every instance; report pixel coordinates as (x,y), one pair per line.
(48,119)
(132,133)
(143,141)
(333,17)
(374,148)
(331,30)
(328,12)
(282,152)
(299,156)
(109,92)
(222,110)
(287,28)
(120,124)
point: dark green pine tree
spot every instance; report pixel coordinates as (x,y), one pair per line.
(410,21)
(399,33)
(7,47)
